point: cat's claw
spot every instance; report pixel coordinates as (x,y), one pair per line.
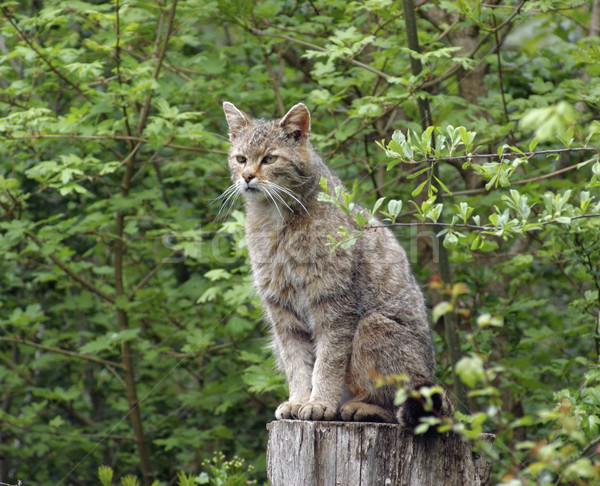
(288,410)
(317,411)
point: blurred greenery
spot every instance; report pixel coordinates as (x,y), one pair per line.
(130,337)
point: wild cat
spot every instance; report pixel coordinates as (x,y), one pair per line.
(338,316)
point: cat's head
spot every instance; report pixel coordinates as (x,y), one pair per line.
(270,160)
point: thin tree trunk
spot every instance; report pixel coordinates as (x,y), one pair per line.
(450,323)
(595,19)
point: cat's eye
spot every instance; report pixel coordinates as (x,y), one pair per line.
(269,159)
(241,159)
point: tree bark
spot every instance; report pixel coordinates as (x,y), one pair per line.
(595,19)
(450,323)
(303,453)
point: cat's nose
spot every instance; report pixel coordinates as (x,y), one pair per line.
(247,175)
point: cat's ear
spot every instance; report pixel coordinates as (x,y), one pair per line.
(237,119)
(297,122)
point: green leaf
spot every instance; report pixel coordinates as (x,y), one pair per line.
(441,309)
(378,204)
(450,239)
(487,319)
(105,475)
(470,370)
(533,144)
(323,184)
(443,186)
(217,274)
(418,173)
(394,207)
(419,189)
(563,220)
(361,220)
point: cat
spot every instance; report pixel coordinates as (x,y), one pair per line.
(336,317)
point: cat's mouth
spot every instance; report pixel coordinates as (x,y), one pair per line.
(251,189)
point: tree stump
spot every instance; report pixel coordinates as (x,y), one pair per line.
(302,453)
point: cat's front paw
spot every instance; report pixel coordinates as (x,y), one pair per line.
(288,410)
(317,411)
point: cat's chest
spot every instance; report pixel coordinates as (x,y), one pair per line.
(293,263)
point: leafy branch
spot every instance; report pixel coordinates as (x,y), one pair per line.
(490,229)
(314,47)
(65,352)
(131,138)
(72,273)
(40,54)
(426,84)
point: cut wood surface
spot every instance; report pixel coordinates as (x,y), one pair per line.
(302,453)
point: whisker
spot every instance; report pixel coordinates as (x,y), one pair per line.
(226,192)
(278,196)
(268,193)
(228,198)
(290,194)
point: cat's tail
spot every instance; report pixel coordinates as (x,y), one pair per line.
(415,407)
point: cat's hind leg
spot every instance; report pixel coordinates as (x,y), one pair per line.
(360,411)
(385,347)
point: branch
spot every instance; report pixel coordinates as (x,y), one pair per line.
(456,67)
(66,352)
(595,19)
(261,33)
(473,226)
(159,62)
(12,102)
(150,274)
(450,322)
(111,137)
(61,403)
(179,70)
(506,154)
(72,273)
(134,415)
(40,54)
(523,181)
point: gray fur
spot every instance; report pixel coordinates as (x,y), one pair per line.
(335,317)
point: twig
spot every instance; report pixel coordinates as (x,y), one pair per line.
(456,67)
(41,55)
(12,102)
(506,154)
(273,78)
(66,352)
(159,60)
(369,122)
(150,274)
(72,273)
(112,137)
(260,33)
(61,402)
(501,80)
(523,181)
(471,226)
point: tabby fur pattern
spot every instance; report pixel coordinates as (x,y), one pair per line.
(336,317)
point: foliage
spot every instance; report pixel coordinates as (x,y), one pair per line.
(217,472)
(130,335)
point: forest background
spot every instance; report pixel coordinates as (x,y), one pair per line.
(132,347)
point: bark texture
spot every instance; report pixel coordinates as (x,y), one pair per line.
(303,453)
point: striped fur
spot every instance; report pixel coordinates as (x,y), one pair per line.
(335,316)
